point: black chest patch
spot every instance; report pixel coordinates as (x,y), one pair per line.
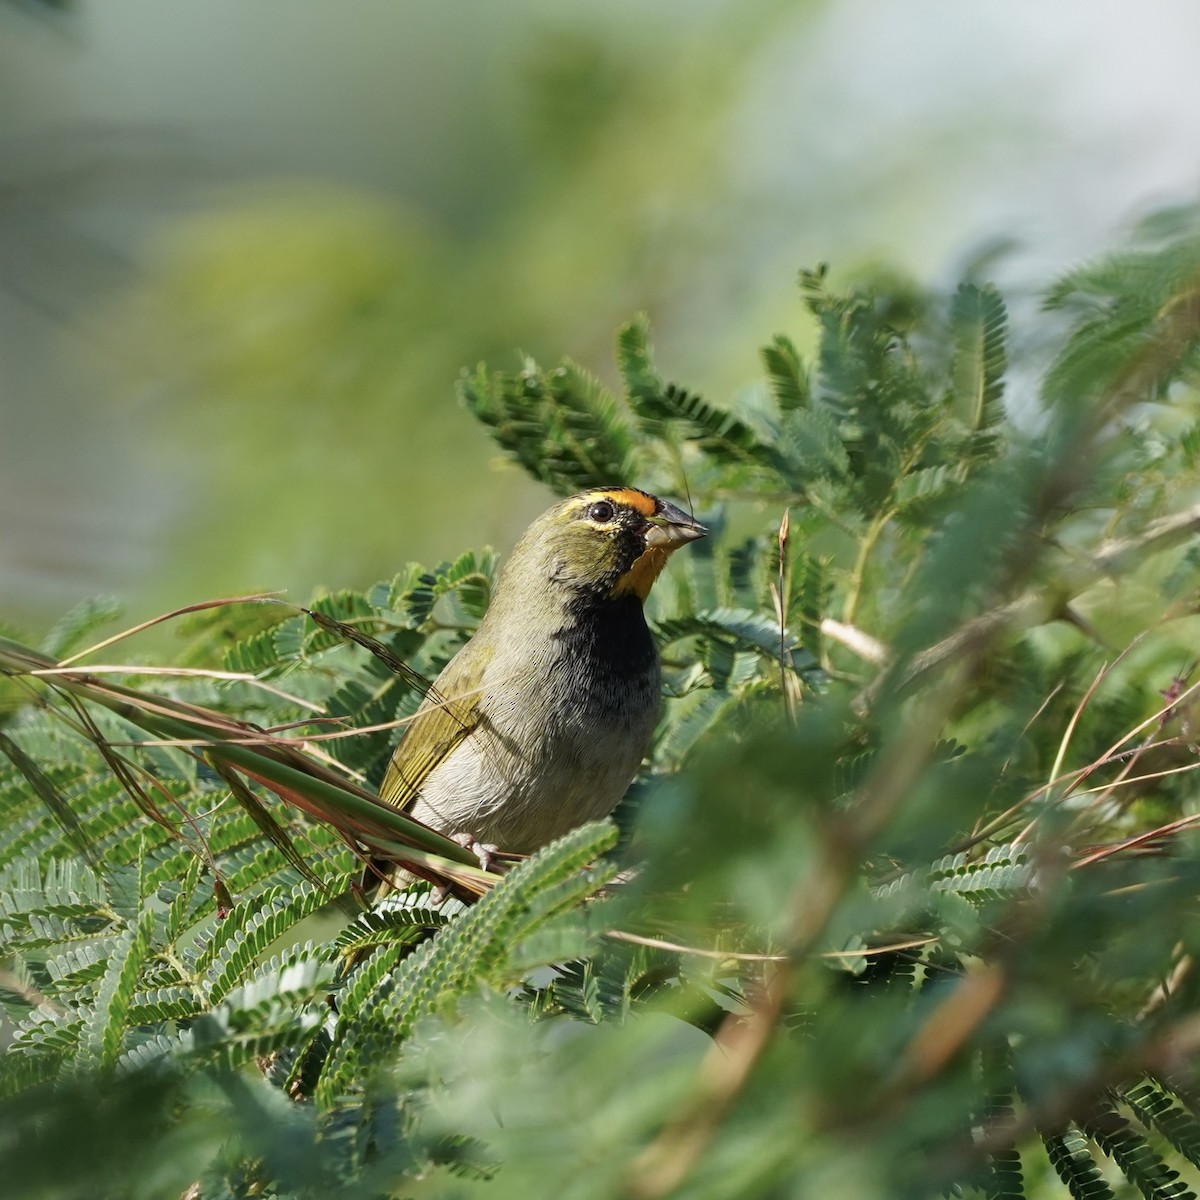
(609,639)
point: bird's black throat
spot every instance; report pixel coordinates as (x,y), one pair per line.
(608,635)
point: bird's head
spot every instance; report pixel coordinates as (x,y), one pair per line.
(605,542)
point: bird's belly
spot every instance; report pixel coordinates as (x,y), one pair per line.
(576,769)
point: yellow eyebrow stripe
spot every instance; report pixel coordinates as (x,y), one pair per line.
(629,497)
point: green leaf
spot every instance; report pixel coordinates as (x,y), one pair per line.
(403,927)
(1158,1110)
(1137,1160)
(53,799)
(106,1023)
(811,442)
(643,388)
(785,374)
(72,631)
(248,932)
(979,323)
(564,428)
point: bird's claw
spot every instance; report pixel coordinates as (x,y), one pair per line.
(484,851)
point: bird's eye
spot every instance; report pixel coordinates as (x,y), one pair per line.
(601,512)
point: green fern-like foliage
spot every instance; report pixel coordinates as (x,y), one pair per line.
(902,903)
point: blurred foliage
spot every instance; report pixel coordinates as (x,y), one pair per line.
(286,350)
(43,7)
(909,905)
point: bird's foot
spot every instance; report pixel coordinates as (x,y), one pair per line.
(484,851)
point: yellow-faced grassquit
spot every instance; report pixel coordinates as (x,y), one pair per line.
(540,722)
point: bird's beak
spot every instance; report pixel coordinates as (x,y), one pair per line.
(671,528)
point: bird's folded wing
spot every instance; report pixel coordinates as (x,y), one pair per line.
(448,714)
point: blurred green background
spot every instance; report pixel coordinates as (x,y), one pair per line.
(245,249)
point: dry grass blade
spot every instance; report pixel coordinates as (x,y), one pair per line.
(373,827)
(1072,724)
(49,795)
(373,646)
(186,673)
(259,598)
(1141,841)
(270,736)
(265,820)
(779,593)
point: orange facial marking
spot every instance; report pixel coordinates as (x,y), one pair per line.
(639,579)
(629,498)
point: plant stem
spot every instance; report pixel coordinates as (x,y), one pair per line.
(854,592)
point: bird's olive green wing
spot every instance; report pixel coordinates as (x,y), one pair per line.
(448,714)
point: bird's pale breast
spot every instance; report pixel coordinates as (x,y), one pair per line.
(562,731)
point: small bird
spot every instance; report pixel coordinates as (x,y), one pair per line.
(540,722)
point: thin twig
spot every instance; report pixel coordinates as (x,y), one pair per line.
(737,1047)
(858,641)
(1119,556)
(637,939)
